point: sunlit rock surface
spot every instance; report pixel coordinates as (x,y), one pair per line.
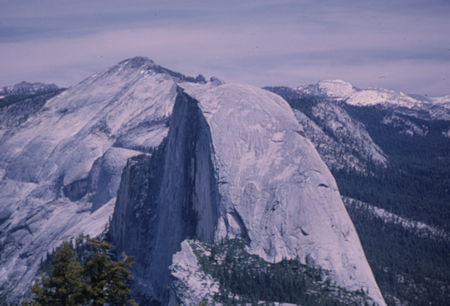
(236,165)
(60,169)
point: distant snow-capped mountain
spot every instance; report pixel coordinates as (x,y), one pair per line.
(435,107)
(337,89)
(25,88)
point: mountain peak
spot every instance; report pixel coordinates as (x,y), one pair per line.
(27,88)
(342,90)
(147,65)
(137,62)
(337,89)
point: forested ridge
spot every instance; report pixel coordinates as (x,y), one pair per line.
(415,184)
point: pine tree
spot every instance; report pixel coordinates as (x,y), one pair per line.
(98,280)
(107,279)
(65,285)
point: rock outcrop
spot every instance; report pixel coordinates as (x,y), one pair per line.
(60,165)
(235,165)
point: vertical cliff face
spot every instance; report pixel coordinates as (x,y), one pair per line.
(167,197)
(235,165)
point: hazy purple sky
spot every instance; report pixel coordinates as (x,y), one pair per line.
(402,45)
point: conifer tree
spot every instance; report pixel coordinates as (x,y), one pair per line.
(107,279)
(65,284)
(98,280)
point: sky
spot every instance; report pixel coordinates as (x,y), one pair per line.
(397,44)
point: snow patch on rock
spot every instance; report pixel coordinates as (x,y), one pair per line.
(434,107)
(369,97)
(337,89)
(442,99)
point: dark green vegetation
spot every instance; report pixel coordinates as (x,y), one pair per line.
(406,266)
(417,182)
(16,109)
(247,278)
(85,275)
(44,95)
(416,185)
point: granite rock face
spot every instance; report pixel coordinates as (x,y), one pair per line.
(61,164)
(235,165)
